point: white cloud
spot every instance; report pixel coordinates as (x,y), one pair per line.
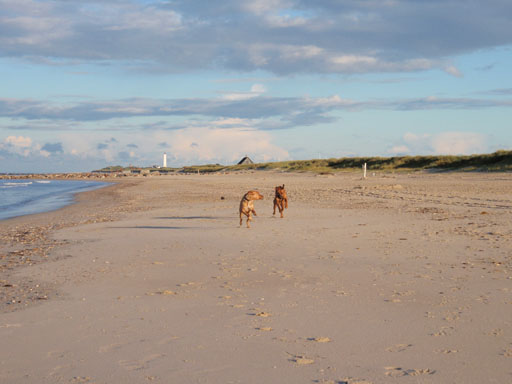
(223,145)
(150,18)
(299,52)
(260,7)
(256,90)
(231,122)
(19,141)
(349,60)
(444,143)
(19,145)
(459,143)
(193,145)
(399,150)
(286,21)
(454,71)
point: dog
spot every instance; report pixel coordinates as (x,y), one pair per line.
(247,206)
(281,200)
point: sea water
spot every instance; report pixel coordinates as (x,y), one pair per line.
(27,196)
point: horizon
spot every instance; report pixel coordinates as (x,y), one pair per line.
(94,83)
(181,167)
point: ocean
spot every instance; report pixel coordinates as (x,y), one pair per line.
(27,196)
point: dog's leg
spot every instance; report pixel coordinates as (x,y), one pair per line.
(249,220)
(240,218)
(275,204)
(253,211)
(281,208)
(286,203)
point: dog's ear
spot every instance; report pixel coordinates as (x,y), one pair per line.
(283,186)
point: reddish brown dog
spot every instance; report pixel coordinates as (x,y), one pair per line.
(281,200)
(247,205)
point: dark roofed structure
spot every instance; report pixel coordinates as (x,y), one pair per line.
(245,160)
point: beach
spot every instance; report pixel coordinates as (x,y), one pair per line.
(396,278)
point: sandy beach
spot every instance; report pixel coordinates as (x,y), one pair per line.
(397,278)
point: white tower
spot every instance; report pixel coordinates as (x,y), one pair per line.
(165,160)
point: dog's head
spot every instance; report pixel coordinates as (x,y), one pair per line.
(254,195)
(281,192)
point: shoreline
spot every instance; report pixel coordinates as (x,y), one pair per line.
(363,281)
(26,240)
(47,202)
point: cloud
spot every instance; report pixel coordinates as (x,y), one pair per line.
(454,71)
(223,145)
(399,150)
(18,141)
(19,145)
(444,143)
(278,112)
(52,147)
(256,90)
(458,143)
(284,37)
(184,146)
(499,92)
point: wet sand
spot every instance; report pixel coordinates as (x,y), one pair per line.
(394,279)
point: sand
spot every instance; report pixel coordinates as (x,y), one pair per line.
(399,278)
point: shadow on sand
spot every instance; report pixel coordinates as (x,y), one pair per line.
(192,218)
(154,227)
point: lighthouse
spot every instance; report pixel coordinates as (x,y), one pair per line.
(165,160)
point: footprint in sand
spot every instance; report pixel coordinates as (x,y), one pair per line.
(135,365)
(168,340)
(166,292)
(446,351)
(260,314)
(451,316)
(507,352)
(495,332)
(110,347)
(266,329)
(350,380)
(81,379)
(320,339)
(301,360)
(189,284)
(444,331)
(398,347)
(10,326)
(399,372)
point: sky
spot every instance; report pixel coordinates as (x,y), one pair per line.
(86,83)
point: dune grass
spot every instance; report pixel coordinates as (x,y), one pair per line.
(497,161)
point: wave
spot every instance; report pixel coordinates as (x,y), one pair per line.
(21,184)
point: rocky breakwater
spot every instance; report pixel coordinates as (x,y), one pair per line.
(58,176)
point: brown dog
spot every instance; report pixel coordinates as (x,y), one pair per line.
(247,205)
(281,200)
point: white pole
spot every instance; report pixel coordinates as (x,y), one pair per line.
(165,160)
(364,170)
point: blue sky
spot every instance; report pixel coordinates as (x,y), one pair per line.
(86,84)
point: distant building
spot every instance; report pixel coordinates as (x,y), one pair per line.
(165,160)
(245,160)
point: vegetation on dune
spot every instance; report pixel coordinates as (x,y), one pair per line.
(497,161)
(208,168)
